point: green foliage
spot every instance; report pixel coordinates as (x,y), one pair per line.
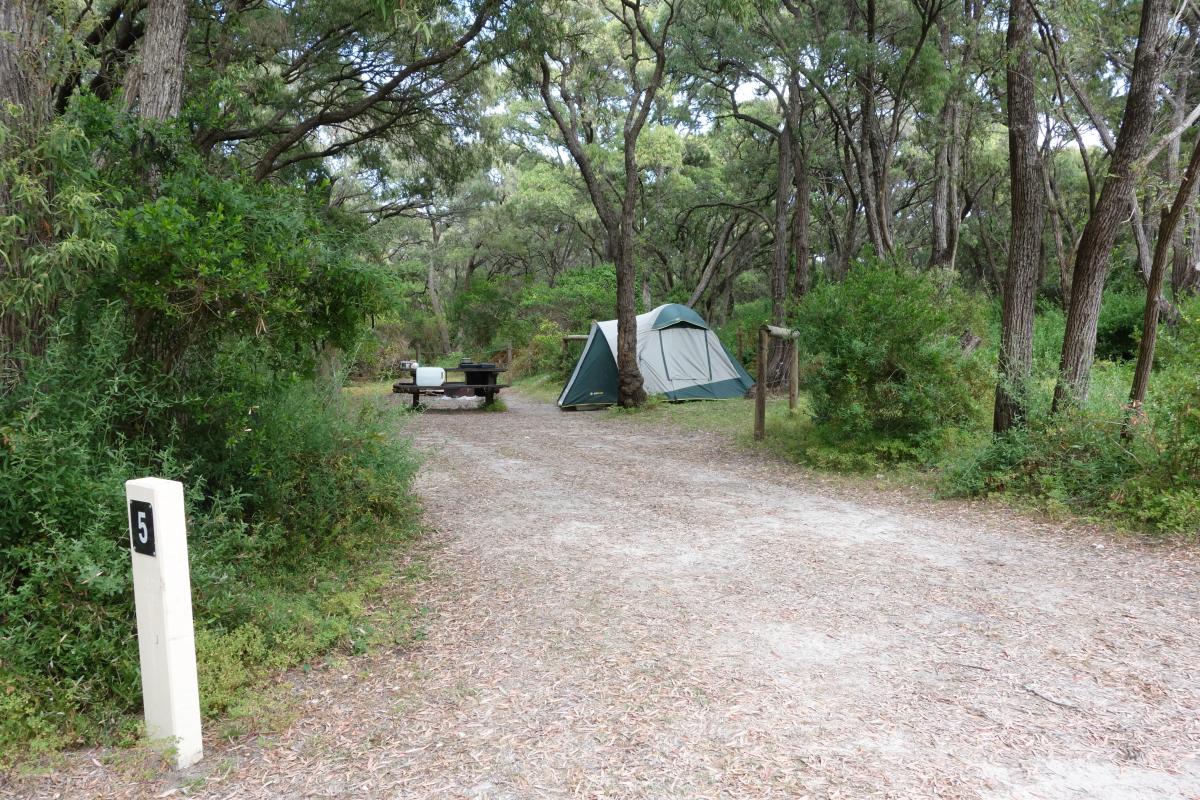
(1120,325)
(304,493)
(1144,470)
(884,359)
(187,346)
(747,318)
(534,316)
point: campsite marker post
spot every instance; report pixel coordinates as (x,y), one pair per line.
(765,333)
(162,593)
(794,378)
(760,390)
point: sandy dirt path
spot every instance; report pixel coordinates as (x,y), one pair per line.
(624,610)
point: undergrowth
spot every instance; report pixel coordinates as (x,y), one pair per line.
(293,534)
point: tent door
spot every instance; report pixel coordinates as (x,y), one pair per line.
(685,354)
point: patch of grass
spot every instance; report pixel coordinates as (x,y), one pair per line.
(652,403)
(791,435)
(540,387)
(363,390)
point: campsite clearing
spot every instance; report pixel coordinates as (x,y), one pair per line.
(637,611)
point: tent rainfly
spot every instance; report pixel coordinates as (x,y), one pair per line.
(677,352)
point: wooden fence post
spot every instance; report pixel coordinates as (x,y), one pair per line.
(760,391)
(794,378)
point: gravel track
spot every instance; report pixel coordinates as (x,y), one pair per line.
(625,610)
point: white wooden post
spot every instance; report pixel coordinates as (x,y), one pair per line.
(162,591)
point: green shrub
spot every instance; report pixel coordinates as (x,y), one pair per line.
(885,361)
(187,331)
(1144,472)
(284,507)
(1119,326)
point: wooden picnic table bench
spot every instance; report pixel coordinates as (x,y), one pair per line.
(480,382)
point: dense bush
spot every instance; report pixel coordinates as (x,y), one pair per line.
(529,316)
(185,340)
(891,359)
(301,486)
(1120,325)
(1143,470)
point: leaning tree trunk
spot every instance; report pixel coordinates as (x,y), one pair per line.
(1096,243)
(1158,272)
(1028,200)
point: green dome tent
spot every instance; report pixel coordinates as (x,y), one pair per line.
(679,356)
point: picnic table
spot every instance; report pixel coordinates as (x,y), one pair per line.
(479,380)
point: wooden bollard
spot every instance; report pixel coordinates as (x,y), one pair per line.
(794,378)
(760,391)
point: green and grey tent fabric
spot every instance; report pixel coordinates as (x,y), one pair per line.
(679,356)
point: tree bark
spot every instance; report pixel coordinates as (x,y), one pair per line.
(431,285)
(719,252)
(1027,219)
(1181,261)
(944,216)
(800,225)
(1095,246)
(781,247)
(156,86)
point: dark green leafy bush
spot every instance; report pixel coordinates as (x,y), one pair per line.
(1144,471)
(185,340)
(1120,325)
(891,359)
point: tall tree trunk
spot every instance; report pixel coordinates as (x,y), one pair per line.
(630,391)
(1095,246)
(945,214)
(1028,200)
(1158,272)
(870,206)
(1181,262)
(431,285)
(781,247)
(800,220)
(156,88)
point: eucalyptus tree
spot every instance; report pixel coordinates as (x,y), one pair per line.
(300,82)
(730,64)
(1027,218)
(1113,203)
(599,71)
